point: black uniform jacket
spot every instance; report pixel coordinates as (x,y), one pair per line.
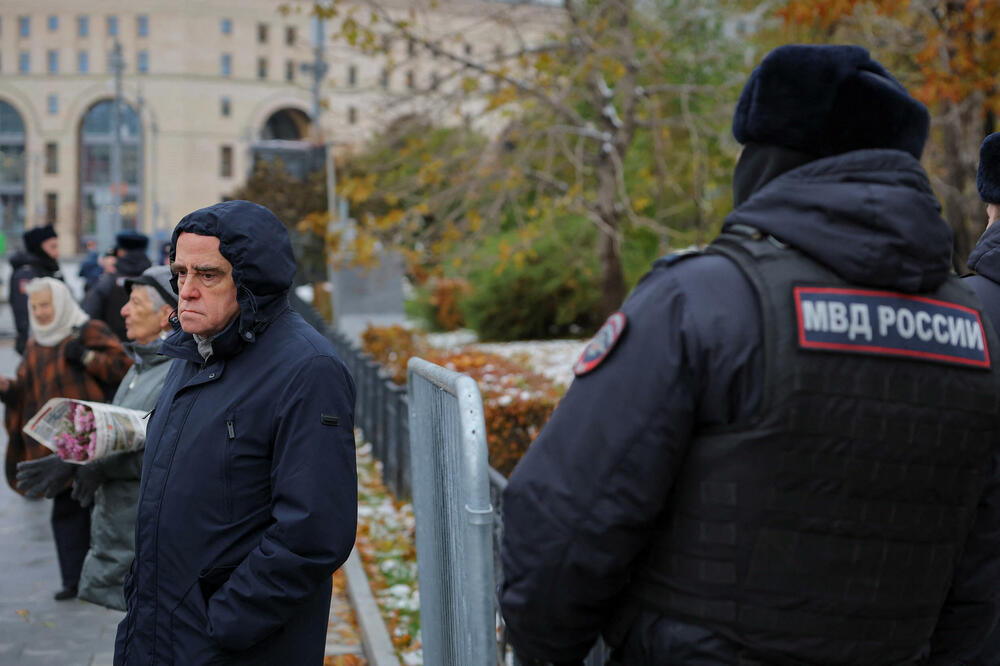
(580,505)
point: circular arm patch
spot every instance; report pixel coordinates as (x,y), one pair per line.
(602,344)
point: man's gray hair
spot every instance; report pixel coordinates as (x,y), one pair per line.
(154,297)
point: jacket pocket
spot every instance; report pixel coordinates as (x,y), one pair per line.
(190,642)
(210,580)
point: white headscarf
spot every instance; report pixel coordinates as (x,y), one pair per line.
(68,314)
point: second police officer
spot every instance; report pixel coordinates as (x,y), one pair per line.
(782,450)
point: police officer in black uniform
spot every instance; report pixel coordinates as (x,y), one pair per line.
(783,449)
(106,298)
(984,261)
(39,259)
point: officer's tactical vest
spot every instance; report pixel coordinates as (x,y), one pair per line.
(831,523)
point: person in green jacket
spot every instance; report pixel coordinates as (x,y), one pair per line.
(112,483)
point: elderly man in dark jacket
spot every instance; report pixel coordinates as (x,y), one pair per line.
(248,498)
(39,259)
(783,449)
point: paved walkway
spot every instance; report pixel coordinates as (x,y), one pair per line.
(36,630)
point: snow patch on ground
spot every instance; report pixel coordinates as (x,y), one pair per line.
(552,358)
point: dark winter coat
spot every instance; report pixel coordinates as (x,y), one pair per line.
(985,261)
(90,270)
(45,373)
(27,266)
(105,299)
(112,521)
(248,498)
(580,506)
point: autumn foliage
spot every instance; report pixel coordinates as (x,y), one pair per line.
(947,54)
(516,401)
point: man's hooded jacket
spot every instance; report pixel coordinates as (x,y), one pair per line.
(248,498)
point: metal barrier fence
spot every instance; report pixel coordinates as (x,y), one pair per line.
(454,517)
(382,413)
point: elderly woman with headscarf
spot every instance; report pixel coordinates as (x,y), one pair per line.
(67,355)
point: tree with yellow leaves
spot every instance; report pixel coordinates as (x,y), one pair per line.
(609,109)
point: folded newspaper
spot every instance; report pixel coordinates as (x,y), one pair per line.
(80,431)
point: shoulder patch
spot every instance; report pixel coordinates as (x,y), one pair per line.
(885,323)
(22,286)
(601,344)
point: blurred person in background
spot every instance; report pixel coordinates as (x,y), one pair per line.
(112,483)
(68,355)
(40,258)
(90,268)
(106,298)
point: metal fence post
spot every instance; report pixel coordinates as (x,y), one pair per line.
(454,517)
(405,468)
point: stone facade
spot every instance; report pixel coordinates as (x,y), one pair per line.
(215,72)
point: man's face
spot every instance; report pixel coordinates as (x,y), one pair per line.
(41,306)
(992,213)
(50,246)
(207,294)
(142,323)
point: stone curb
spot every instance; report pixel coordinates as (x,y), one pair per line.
(374,635)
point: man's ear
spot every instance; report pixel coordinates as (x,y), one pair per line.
(163,317)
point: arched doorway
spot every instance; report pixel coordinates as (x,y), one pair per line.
(284,138)
(96,139)
(286,125)
(12,167)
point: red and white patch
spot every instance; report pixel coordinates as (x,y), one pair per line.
(602,344)
(22,286)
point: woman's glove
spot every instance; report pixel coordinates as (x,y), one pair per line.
(88,479)
(74,351)
(46,476)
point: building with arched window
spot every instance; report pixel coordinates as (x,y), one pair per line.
(11,170)
(207,88)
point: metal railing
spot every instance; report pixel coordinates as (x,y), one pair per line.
(454,517)
(382,412)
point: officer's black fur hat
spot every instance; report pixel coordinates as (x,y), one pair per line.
(988,174)
(33,238)
(131,240)
(825,100)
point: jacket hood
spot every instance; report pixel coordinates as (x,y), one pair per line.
(985,257)
(868,215)
(24,258)
(19,259)
(256,243)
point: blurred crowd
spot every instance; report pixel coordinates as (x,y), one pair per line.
(100,349)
